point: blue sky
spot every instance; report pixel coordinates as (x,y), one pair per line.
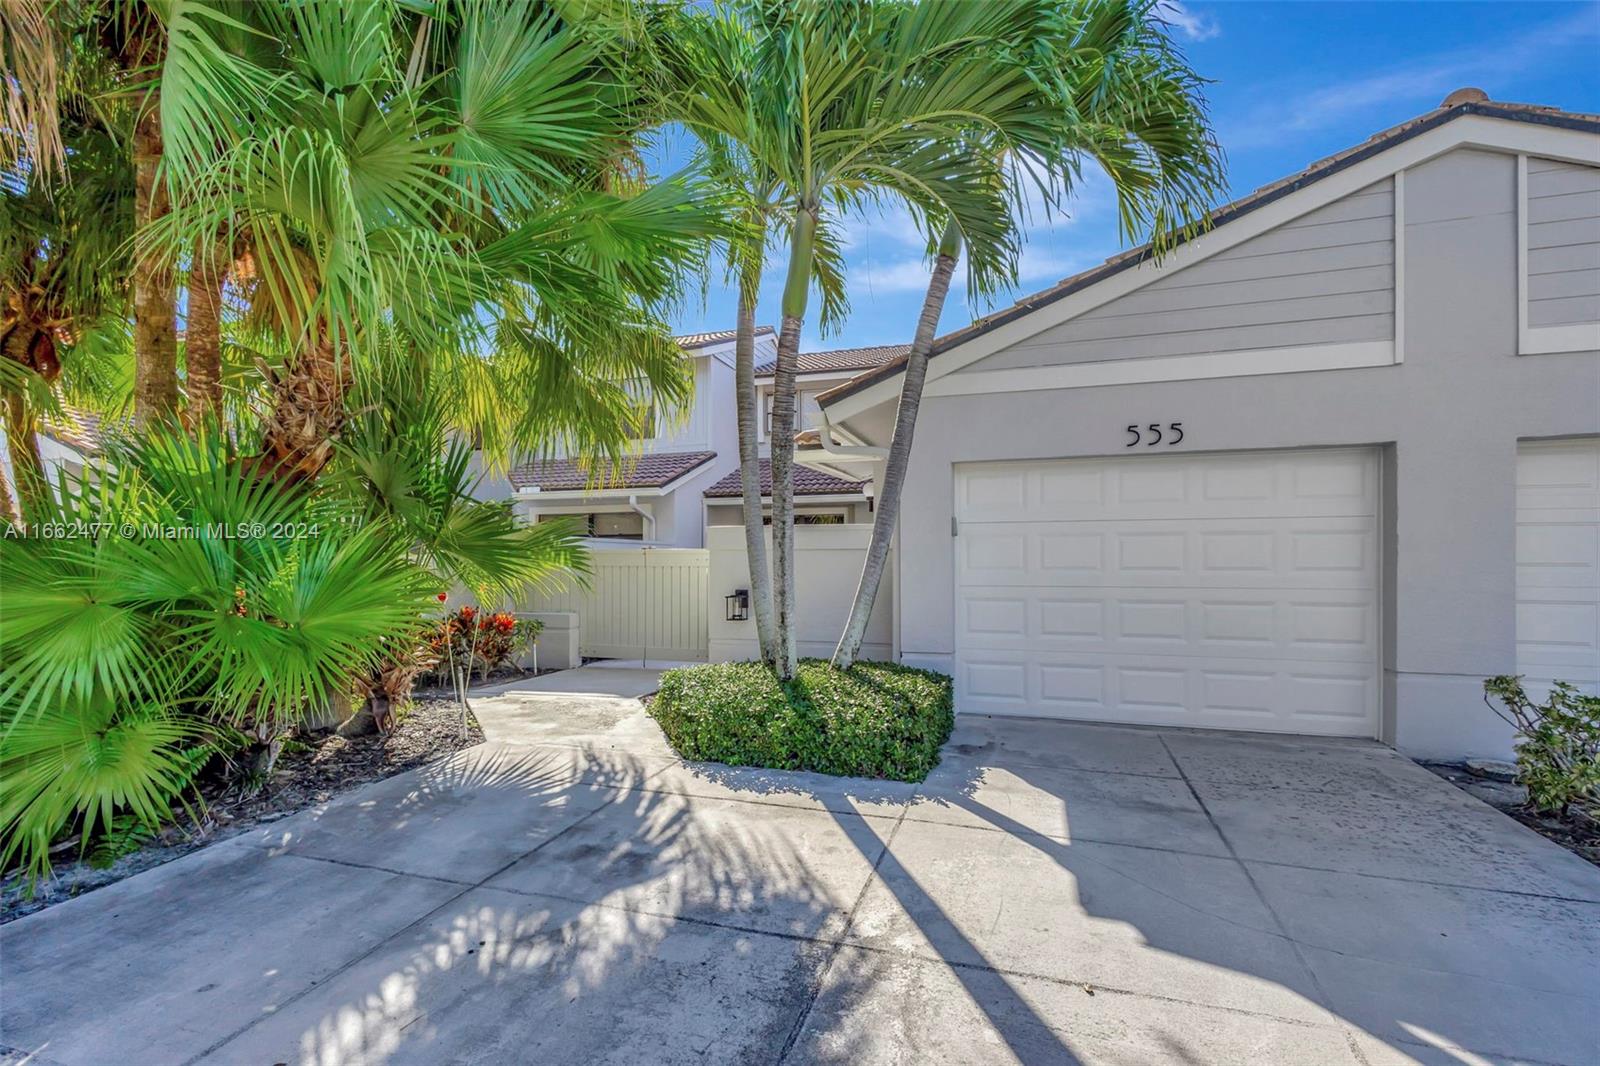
(1293,82)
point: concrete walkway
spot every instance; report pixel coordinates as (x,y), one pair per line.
(1052,894)
(591,706)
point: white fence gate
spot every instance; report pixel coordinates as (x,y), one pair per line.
(641,603)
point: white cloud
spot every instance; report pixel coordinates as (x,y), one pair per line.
(903,275)
(1423,83)
(1194,25)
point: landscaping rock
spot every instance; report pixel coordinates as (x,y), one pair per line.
(1492,769)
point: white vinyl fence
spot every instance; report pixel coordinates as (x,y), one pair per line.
(827,569)
(641,603)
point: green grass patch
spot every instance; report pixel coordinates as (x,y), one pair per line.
(874,720)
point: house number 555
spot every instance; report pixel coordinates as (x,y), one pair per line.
(1155,433)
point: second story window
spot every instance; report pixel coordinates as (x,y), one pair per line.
(643,423)
(808,413)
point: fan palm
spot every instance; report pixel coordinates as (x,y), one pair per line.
(1126,102)
(454,178)
(210,602)
(399,461)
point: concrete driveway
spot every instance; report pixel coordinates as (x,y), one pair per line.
(1054,893)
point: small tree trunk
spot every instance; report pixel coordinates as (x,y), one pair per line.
(796,289)
(155,338)
(202,346)
(783,494)
(894,472)
(755,536)
(307,414)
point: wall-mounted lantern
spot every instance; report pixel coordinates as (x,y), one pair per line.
(738,605)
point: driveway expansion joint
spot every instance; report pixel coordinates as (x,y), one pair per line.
(1324,1000)
(815,990)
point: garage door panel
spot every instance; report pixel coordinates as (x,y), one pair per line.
(1325,552)
(1337,624)
(1559,475)
(1148,487)
(1235,591)
(1559,554)
(1558,562)
(1306,696)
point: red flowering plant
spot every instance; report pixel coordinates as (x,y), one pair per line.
(484,640)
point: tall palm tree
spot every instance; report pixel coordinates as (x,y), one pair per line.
(709,61)
(1127,103)
(851,103)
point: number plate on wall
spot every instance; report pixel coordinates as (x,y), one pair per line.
(1155,433)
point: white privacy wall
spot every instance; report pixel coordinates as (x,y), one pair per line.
(827,570)
(639,603)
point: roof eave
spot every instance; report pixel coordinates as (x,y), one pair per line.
(1237,209)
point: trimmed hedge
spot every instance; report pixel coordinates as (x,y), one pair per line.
(874,720)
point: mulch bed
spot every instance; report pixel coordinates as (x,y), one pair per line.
(1579,837)
(308,772)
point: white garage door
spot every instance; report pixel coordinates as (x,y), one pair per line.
(1233,591)
(1558,562)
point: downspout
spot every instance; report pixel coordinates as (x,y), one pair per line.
(645,513)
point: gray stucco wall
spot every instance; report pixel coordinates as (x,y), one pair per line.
(1326,278)
(1448,420)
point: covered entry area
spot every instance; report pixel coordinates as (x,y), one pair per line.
(1226,590)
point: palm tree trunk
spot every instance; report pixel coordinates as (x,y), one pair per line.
(894,472)
(755,536)
(782,443)
(202,345)
(155,339)
(26,463)
(796,288)
(307,414)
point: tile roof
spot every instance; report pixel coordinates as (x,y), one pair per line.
(645,472)
(691,341)
(843,359)
(1460,103)
(807,482)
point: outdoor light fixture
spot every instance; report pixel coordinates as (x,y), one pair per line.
(738,605)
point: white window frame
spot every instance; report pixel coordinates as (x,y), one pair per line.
(800,511)
(587,513)
(1542,340)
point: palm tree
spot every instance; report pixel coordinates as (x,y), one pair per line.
(1127,103)
(62,271)
(30,131)
(710,60)
(845,104)
(459,178)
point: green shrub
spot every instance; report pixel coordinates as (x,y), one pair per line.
(873,720)
(1558,742)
